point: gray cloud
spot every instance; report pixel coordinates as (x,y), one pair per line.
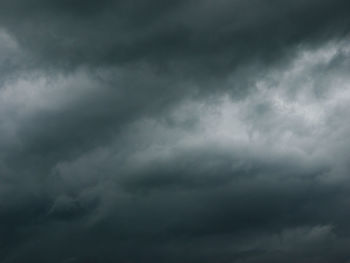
(174,131)
(198,35)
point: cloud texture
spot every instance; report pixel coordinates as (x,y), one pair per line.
(174,131)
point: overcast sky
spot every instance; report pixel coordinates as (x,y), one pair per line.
(174,131)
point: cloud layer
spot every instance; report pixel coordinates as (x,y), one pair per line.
(174,131)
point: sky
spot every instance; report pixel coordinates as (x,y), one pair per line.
(171,131)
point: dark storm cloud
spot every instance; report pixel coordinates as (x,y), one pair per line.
(213,36)
(174,131)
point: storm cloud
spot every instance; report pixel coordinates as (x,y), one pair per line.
(174,131)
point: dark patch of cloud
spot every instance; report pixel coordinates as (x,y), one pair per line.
(197,34)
